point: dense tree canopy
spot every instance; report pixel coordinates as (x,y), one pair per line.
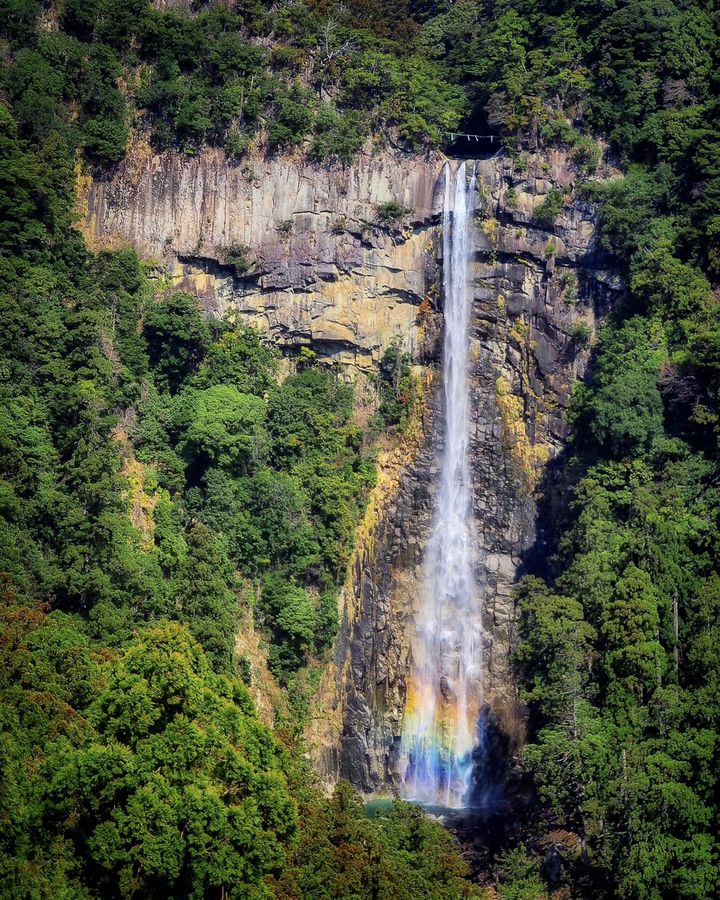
(624,716)
(161,486)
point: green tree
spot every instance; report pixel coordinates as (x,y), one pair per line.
(520,876)
(623,412)
(205,596)
(181,790)
(225,428)
(239,357)
(288,612)
(176,338)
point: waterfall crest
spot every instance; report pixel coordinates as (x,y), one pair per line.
(445,687)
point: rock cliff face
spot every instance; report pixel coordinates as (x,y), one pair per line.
(539,292)
(321,269)
(325,273)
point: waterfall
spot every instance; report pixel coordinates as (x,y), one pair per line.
(445,687)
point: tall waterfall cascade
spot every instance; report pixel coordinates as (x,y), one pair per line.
(445,690)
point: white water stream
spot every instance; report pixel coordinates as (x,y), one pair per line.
(445,689)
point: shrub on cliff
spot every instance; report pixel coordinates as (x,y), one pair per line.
(396,388)
(547,212)
(236,255)
(390,212)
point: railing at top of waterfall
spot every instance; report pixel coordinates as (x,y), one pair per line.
(462,143)
(454,135)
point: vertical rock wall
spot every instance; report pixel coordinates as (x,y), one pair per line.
(326,273)
(539,292)
(323,269)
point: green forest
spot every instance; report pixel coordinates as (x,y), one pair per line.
(132,760)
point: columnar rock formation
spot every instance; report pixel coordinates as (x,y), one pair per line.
(322,268)
(325,272)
